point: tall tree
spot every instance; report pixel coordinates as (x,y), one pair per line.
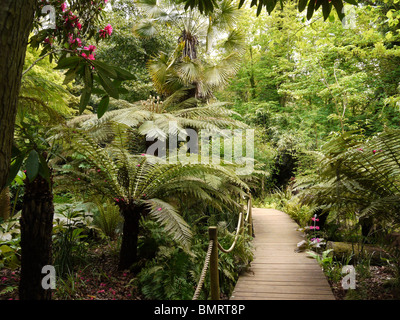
(16,20)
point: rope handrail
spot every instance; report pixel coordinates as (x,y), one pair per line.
(204,271)
(239,226)
(213,251)
(248,210)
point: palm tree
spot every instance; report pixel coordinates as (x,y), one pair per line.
(146,186)
(208,51)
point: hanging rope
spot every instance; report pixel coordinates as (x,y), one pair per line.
(210,248)
(236,236)
(204,271)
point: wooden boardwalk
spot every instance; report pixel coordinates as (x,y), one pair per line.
(277,271)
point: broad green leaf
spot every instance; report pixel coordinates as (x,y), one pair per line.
(338,4)
(326,9)
(70,75)
(310,9)
(123,74)
(44,170)
(14,168)
(108,85)
(68,63)
(105,69)
(88,79)
(85,98)
(302,5)
(103,106)
(271,5)
(32,165)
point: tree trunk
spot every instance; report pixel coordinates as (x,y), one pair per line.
(16,19)
(36,238)
(128,252)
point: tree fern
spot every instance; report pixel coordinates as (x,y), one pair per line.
(143,185)
(360,176)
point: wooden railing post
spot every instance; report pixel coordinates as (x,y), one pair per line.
(214,273)
(250,221)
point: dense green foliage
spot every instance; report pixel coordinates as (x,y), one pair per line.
(321,94)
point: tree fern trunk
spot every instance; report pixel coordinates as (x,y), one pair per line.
(36,238)
(16,18)
(128,252)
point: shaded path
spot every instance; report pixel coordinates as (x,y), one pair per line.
(277,271)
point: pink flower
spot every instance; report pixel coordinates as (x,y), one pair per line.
(92,48)
(143,154)
(91,57)
(159,209)
(101,291)
(138,165)
(84,55)
(102,284)
(63,7)
(79,26)
(314,219)
(109,29)
(374,151)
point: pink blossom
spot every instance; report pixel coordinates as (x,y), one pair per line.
(84,55)
(109,29)
(138,165)
(314,219)
(79,25)
(101,291)
(374,151)
(91,57)
(159,209)
(63,7)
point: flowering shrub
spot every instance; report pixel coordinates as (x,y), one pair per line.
(76,31)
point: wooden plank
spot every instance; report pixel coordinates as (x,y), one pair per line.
(277,271)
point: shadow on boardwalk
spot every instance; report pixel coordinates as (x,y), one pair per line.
(277,271)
